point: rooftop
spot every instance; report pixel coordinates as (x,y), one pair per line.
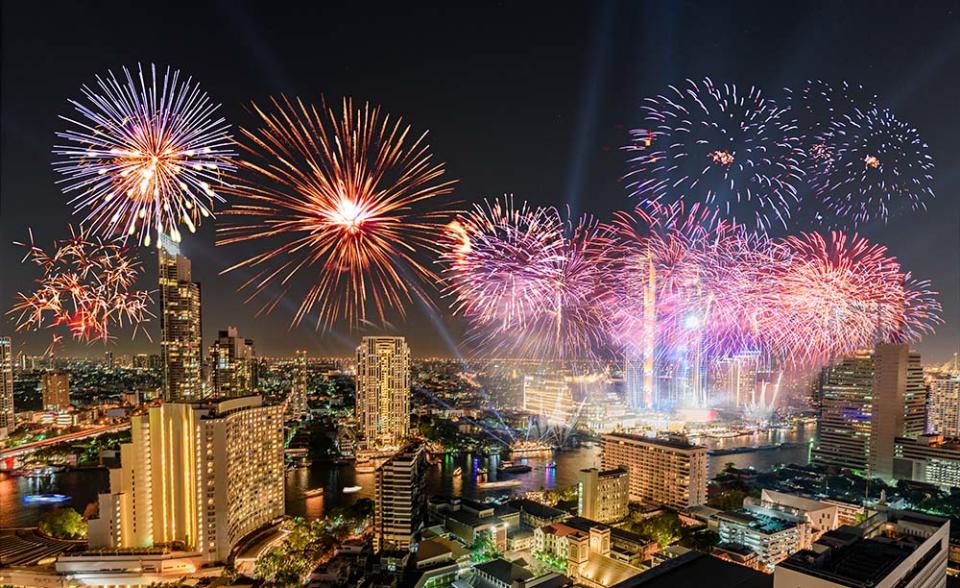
(672,442)
(504,570)
(766,524)
(699,569)
(537,509)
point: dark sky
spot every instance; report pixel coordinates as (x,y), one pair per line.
(521,97)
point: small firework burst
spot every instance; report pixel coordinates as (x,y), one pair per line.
(86,287)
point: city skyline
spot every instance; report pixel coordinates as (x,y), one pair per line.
(594,115)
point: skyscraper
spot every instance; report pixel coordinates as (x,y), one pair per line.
(639,358)
(6,388)
(899,401)
(180,326)
(383,392)
(400,499)
(867,400)
(548,395)
(233,363)
(845,397)
(55,389)
(203,475)
(297,403)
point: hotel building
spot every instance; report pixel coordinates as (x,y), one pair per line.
(383,392)
(668,472)
(772,535)
(944,404)
(929,458)
(604,496)
(196,476)
(297,402)
(400,500)
(180,325)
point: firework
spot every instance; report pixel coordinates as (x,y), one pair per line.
(870,164)
(86,287)
(144,155)
(350,198)
(717,147)
(840,293)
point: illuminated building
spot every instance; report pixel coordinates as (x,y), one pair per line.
(928,458)
(661,471)
(891,548)
(204,475)
(234,364)
(55,388)
(383,392)
(638,364)
(180,325)
(603,496)
(735,378)
(899,404)
(843,429)
(548,396)
(108,359)
(6,388)
(400,499)
(297,402)
(944,405)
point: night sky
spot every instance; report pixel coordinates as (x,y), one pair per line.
(533,99)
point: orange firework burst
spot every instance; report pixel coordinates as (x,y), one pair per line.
(349,195)
(86,287)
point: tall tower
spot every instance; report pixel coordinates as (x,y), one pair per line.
(639,358)
(233,361)
(400,499)
(899,400)
(843,429)
(297,404)
(180,331)
(383,392)
(6,388)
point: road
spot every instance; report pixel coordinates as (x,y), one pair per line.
(28,448)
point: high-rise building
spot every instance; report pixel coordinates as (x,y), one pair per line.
(297,403)
(639,356)
(202,475)
(141,361)
(233,365)
(735,378)
(669,472)
(400,499)
(845,398)
(867,400)
(604,496)
(929,458)
(548,395)
(943,415)
(108,359)
(55,389)
(6,389)
(899,403)
(180,325)
(383,392)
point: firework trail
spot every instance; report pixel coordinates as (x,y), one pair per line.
(715,146)
(350,198)
(871,165)
(86,286)
(144,155)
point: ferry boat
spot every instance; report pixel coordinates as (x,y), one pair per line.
(499,484)
(313,492)
(514,468)
(352,489)
(45,498)
(530,448)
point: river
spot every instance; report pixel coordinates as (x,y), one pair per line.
(83,486)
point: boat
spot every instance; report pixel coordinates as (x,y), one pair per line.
(313,492)
(458,471)
(351,489)
(551,465)
(45,498)
(498,484)
(514,468)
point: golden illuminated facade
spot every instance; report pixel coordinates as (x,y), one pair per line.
(201,476)
(55,389)
(665,472)
(383,392)
(548,395)
(6,388)
(180,325)
(297,401)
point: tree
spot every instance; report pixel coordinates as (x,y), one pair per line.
(664,529)
(64,523)
(483,549)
